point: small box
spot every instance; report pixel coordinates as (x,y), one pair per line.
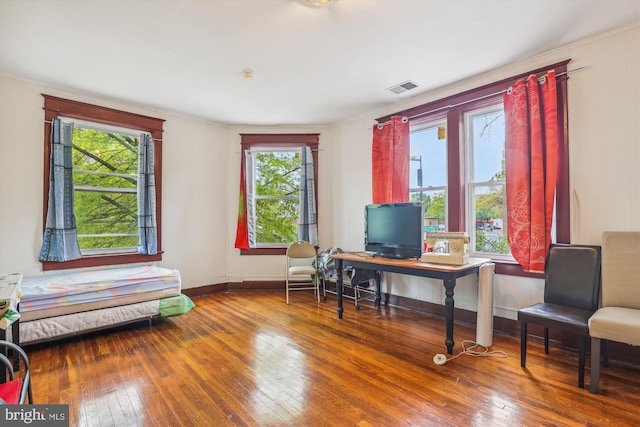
(431,225)
(431,221)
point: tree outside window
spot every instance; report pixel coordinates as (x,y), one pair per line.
(473,189)
(273,167)
(276,196)
(105,158)
(105,176)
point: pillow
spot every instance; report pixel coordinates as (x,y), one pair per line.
(175,306)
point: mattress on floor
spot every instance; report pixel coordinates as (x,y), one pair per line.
(41,330)
(59,294)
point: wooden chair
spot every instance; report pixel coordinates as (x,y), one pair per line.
(618,318)
(572,284)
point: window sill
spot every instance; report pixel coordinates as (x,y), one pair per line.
(101,260)
(264,251)
(514,269)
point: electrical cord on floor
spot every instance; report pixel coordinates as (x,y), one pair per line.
(441,359)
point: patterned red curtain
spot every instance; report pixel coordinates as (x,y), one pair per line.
(532,149)
(390,161)
(242,231)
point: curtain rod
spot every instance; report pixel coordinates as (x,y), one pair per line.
(448,107)
(48,122)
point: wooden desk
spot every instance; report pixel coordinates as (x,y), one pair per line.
(447,273)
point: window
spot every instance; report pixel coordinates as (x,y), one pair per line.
(105,174)
(274,202)
(273,171)
(483,142)
(428,172)
(486,185)
(472,197)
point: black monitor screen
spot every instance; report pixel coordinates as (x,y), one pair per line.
(394,230)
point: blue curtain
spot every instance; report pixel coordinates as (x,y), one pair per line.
(60,240)
(308,221)
(147,227)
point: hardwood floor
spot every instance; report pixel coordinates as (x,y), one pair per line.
(248,359)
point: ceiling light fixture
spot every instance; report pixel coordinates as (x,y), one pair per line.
(319,2)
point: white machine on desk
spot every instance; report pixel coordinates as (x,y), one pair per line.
(446,248)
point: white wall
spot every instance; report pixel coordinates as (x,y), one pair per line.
(604,144)
(195,181)
(201,171)
(268,267)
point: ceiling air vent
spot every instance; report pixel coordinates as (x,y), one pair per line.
(402,87)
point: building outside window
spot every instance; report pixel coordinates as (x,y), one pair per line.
(428,172)
(486,185)
(483,143)
(458,169)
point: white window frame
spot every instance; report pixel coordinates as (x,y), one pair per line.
(472,185)
(133,133)
(253,197)
(419,127)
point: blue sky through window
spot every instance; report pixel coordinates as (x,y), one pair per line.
(488,137)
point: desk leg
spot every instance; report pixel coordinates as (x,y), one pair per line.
(376,288)
(4,352)
(15,337)
(449,285)
(339,287)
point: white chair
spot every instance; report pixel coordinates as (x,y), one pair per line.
(618,318)
(301,261)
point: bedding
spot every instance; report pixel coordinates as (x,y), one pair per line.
(66,304)
(67,325)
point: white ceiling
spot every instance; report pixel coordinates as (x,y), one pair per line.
(312,65)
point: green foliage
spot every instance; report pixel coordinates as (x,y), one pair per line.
(433,205)
(105,161)
(277,193)
(490,205)
(484,244)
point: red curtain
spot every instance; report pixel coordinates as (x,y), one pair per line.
(532,150)
(390,161)
(242,231)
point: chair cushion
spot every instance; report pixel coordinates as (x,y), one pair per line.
(551,315)
(302,269)
(10,391)
(617,324)
(621,269)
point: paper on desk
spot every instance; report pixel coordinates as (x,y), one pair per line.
(9,298)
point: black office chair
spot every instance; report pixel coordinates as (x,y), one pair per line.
(358,280)
(571,290)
